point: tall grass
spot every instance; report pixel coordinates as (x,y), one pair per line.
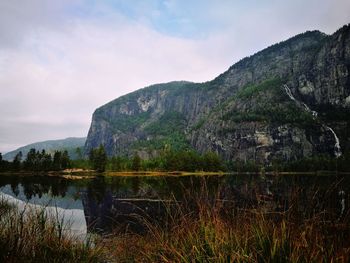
(217,231)
(199,228)
(34,236)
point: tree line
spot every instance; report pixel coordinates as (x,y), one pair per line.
(98,160)
(37,161)
(167,160)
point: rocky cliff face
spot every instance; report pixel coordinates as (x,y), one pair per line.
(286,102)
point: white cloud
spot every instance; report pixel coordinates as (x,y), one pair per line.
(60,77)
(57,67)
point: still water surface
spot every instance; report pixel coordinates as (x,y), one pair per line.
(100,204)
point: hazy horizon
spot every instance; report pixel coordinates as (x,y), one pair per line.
(59,61)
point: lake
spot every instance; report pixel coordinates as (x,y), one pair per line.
(100,204)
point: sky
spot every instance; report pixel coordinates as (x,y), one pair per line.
(60,60)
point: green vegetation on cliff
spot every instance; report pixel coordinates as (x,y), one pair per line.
(167,124)
(225,114)
(254,90)
(265,102)
(167,131)
(175,140)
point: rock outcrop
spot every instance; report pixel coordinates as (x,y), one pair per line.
(245,113)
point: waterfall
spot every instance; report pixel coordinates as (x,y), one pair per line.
(290,95)
(342,202)
(289,92)
(337,149)
(268,185)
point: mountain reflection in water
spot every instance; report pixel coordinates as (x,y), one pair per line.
(101,204)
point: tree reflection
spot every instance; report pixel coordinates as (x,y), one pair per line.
(14,181)
(96,188)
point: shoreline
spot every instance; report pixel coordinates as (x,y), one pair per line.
(80,173)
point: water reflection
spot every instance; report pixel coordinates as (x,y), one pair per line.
(68,211)
(102,203)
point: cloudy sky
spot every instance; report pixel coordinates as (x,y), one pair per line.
(60,60)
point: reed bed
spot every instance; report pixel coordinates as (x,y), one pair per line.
(199,228)
(215,231)
(31,235)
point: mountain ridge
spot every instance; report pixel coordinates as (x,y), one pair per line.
(244,113)
(69,144)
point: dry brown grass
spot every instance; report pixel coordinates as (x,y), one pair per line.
(217,234)
(33,236)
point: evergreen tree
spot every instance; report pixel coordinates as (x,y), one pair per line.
(41,160)
(65,161)
(16,164)
(29,162)
(47,162)
(211,162)
(78,153)
(136,163)
(117,163)
(98,159)
(57,161)
(61,160)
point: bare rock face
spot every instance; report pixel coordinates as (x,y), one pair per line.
(289,101)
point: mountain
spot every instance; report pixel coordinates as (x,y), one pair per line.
(286,102)
(69,144)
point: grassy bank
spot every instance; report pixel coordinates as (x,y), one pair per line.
(83,174)
(251,238)
(33,236)
(199,229)
(220,232)
(79,173)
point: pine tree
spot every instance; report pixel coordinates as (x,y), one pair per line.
(29,162)
(47,162)
(136,163)
(78,153)
(16,164)
(98,159)
(65,160)
(116,163)
(57,161)
(211,162)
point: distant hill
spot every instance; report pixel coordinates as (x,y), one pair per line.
(69,144)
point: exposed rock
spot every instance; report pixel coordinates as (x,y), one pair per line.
(245,112)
